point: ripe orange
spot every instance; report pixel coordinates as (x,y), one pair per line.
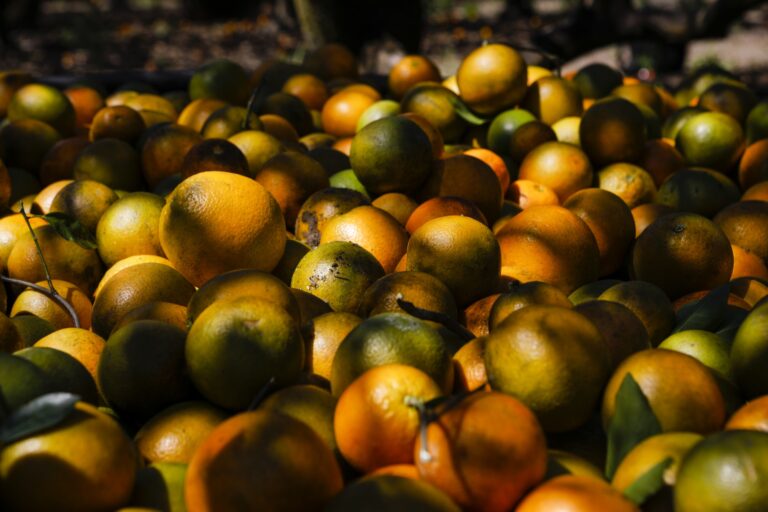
(197,112)
(461,252)
(612,130)
(113,162)
(753,166)
(441,207)
(342,111)
(163,150)
(492,78)
(409,71)
(683,253)
(523,295)
(648,302)
(631,183)
(214,155)
(43,103)
(549,244)
(469,366)
(661,159)
(745,223)
(681,391)
(308,88)
(32,302)
(751,416)
(419,288)
(571,493)
(84,201)
(551,98)
(276,462)
(86,101)
(322,337)
(202,236)
(397,204)
(645,214)
(376,423)
(560,166)
(59,161)
(495,162)
(482,466)
(553,359)
(117,122)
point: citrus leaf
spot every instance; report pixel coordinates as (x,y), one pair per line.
(648,484)
(464,112)
(633,421)
(70,229)
(707,313)
(43,412)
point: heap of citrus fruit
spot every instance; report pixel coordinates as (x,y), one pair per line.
(500,290)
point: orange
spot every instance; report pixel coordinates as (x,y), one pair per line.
(308,88)
(376,423)
(83,345)
(322,336)
(43,103)
(747,264)
(631,183)
(309,404)
(475,316)
(64,372)
(492,78)
(174,434)
(645,214)
(380,491)
(291,177)
(612,130)
(553,359)
(409,71)
(420,289)
(469,178)
(661,159)
(338,273)
(221,79)
(441,207)
(25,142)
(481,466)
(87,460)
(197,112)
(597,80)
(127,262)
(648,302)
(168,312)
(746,224)
(549,244)
(33,302)
(372,229)
(567,130)
(10,82)
(342,111)
(572,493)
(227,121)
(290,108)
(757,192)
(461,252)
(528,137)
(397,204)
(113,162)
(551,98)
(712,139)
(495,162)
(84,201)
(66,260)
(142,369)
(59,161)
(748,352)
(262,460)
(641,94)
(135,286)
(622,330)
(12,227)
(469,366)
(86,101)
(118,122)
(723,469)
(683,253)
(402,470)
(698,190)
(560,166)
(392,338)
(523,295)
(610,221)
(435,104)
(44,198)
(392,154)
(257,147)
(201,236)
(753,166)
(163,150)
(681,391)
(751,416)
(731,97)
(234,347)
(434,135)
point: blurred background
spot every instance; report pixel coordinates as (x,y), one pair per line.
(657,39)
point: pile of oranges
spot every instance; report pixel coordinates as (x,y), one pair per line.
(429,294)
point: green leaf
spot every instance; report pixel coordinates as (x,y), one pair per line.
(632,422)
(465,112)
(43,412)
(70,229)
(648,484)
(706,313)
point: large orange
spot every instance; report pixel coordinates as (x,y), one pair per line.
(492,78)
(467,453)
(203,237)
(550,244)
(683,253)
(681,391)
(262,460)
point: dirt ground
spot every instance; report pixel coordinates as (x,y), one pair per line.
(152,38)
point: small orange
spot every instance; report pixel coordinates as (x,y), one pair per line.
(440,207)
(633,184)
(492,78)
(645,214)
(86,102)
(527,193)
(308,88)
(753,166)
(397,204)
(495,162)
(751,416)
(376,421)
(342,111)
(409,71)
(82,344)
(560,166)
(572,493)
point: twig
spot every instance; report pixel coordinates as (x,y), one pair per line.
(45,291)
(436,316)
(39,251)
